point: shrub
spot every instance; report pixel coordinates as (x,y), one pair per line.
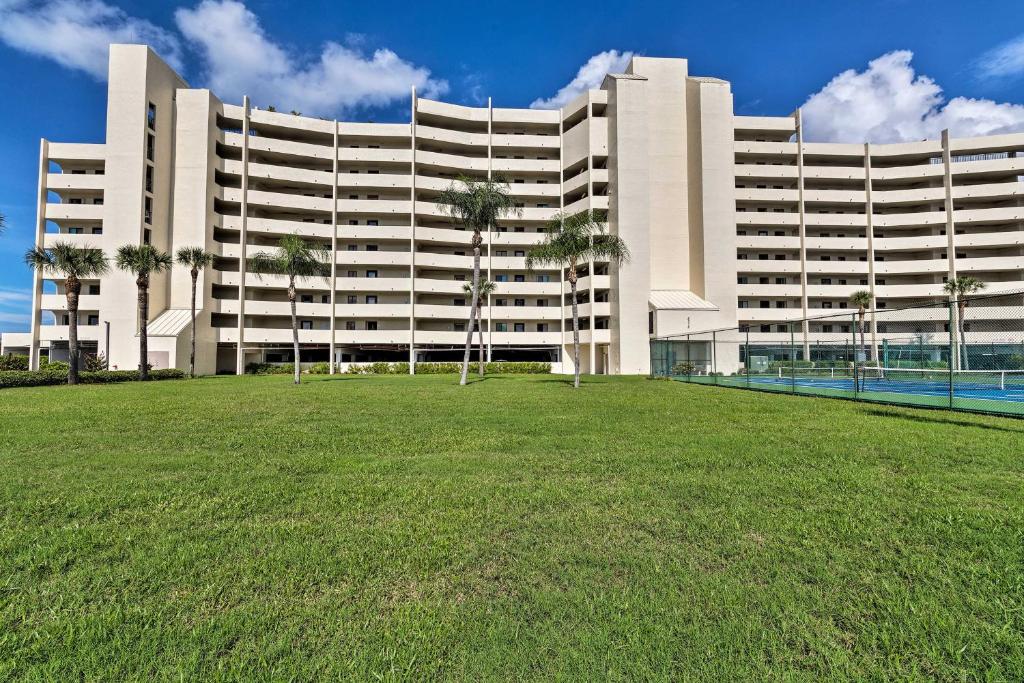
(319,369)
(506,368)
(12,362)
(53,373)
(269,369)
(95,363)
(684,368)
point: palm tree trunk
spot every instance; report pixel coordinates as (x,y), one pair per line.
(192,352)
(477,239)
(143,284)
(295,325)
(72,288)
(575,325)
(480,334)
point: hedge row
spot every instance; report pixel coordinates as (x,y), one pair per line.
(505,368)
(12,362)
(54,374)
(286,369)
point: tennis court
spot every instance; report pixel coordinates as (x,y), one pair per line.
(975,385)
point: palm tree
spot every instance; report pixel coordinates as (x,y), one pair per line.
(142,261)
(486,288)
(862,300)
(477,204)
(959,288)
(74,264)
(195,259)
(295,258)
(572,240)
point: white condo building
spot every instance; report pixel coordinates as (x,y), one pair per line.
(731,220)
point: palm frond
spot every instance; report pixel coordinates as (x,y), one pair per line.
(142,259)
(68,260)
(578,237)
(478,203)
(294,257)
(194,257)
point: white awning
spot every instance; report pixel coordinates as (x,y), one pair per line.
(170,323)
(679,300)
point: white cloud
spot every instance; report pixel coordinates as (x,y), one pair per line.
(15,309)
(240,59)
(77,33)
(1002,61)
(588,77)
(14,296)
(890,102)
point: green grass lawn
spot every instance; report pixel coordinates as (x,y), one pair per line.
(407,528)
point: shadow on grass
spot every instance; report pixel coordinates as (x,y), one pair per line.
(930,419)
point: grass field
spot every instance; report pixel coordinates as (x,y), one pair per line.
(407,528)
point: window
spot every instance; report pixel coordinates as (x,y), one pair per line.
(519,252)
(350,325)
(519,278)
(780,304)
(371,273)
(371,325)
(501,278)
(93,289)
(306,298)
(766,328)
(93,319)
(520,302)
(148,210)
(519,228)
(353,247)
(76,231)
(543,278)
(780,280)
(371,298)
(519,327)
(97,231)
(147,236)
(305,324)
(150,146)
(501,253)
(501,327)
(501,302)
(458,302)
(325,298)
(744,304)
(542,327)
(352,299)
(826,328)
(459,327)
(353,222)
(763,304)
(149,178)
(151,116)
(372,222)
(75,200)
(352,273)
(741,280)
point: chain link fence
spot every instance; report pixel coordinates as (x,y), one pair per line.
(962,355)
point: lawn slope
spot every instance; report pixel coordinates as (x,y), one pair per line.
(407,528)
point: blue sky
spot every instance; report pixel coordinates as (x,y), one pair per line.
(916,66)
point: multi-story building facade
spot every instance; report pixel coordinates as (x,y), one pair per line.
(731,220)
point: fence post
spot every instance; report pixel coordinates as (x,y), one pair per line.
(856,374)
(792,357)
(952,349)
(714,359)
(688,365)
(746,363)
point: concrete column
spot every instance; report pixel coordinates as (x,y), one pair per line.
(37,276)
(868,211)
(805,327)
(412,237)
(240,354)
(334,246)
(489,241)
(947,177)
